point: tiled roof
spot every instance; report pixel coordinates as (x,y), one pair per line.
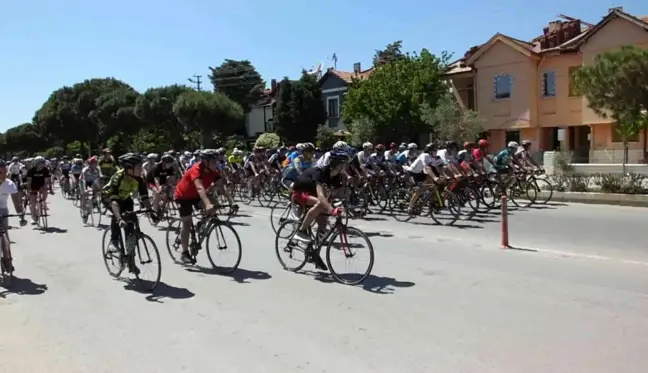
(639,21)
(348,76)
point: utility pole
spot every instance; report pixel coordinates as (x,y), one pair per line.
(196,81)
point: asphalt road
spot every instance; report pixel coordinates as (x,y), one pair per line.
(440,299)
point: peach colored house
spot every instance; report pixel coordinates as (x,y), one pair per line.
(523,89)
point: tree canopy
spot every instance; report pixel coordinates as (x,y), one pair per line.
(239,81)
(299,109)
(391,99)
(449,121)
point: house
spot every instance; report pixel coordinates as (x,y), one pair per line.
(334,85)
(259,119)
(523,89)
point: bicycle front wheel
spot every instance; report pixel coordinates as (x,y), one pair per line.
(295,252)
(340,247)
(173,240)
(279,213)
(230,247)
(146,258)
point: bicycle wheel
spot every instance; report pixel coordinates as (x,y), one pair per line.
(5,271)
(234,247)
(96,212)
(111,255)
(173,240)
(295,251)
(342,248)
(146,257)
(523,194)
(449,213)
(43,214)
(545,191)
(279,213)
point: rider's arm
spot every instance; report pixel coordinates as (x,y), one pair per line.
(202,193)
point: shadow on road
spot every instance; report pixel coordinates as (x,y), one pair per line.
(162,290)
(243,224)
(241,275)
(52,230)
(24,286)
(372,284)
(522,249)
(378,234)
(374,218)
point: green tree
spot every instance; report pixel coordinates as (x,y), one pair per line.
(268,140)
(449,121)
(239,80)
(155,108)
(391,53)
(115,116)
(23,140)
(325,137)
(209,114)
(66,115)
(616,86)
(392,98)
(299,110)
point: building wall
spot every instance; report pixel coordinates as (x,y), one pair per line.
(518,111)
(560,110)
(334,88)
(256,120)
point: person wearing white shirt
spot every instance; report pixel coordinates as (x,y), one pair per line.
(14,170)
(426,168)
(7,189)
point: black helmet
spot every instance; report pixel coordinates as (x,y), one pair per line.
(167,158)
(429,148)
(130,160)
(338,157)
(451,144)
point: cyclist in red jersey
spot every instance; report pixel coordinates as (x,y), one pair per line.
(191,192)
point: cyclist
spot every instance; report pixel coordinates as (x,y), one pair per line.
(107,164)
(308,190)
(117,197)
(76,169)
(88,180)
(191,191)
(15,168)
(524,157)
(8,188)
(38,182)
(158,176)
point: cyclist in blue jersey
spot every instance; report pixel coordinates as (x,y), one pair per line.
(298,165)
(506,158)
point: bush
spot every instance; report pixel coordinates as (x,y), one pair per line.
(603,183)
(268,140)
(324,137)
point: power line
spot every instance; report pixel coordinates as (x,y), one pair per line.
(197,81)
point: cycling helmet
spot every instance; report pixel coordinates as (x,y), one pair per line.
(451,144)
(412,146)
(237,152)
(338,157)
(39,159)
(209,153)
(221,151)
(78,155)
(380,147)
(3,163)
(130,160)
(106,150)
(429,148)
(526,142)
(512,144)
(367,146)
(15,159)
(76,161)
(299,146)
(92,160)
(483,143)
(309,147)
(197,153)
(393,145)
(340,145)
(167,158)
(152,156)
(469,145)
(318,150)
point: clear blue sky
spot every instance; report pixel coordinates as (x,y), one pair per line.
(46,44)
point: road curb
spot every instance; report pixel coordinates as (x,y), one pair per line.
(636,200)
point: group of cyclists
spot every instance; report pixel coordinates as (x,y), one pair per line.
(192,179)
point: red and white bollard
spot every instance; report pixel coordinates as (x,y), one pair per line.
(505,235)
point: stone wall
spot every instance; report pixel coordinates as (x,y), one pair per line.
(604,165)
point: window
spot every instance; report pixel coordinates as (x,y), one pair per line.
(333,106)
(617,138)
(549,84)
(502,87)
(513,135)
(572,72)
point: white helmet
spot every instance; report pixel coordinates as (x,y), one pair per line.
(526,142)
(39,159)
(187,154)
(152,156)
(299,146)
(513,144)
(340,145)
(412,146)
(237,152)
(367,146)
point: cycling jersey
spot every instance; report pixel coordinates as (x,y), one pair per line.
(76,169)
(235,159)
(186,189)
(89,174)
(14,168)
(502,158)
(107,165)
(121,187)
(65,166)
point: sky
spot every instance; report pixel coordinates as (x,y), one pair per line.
(46,44)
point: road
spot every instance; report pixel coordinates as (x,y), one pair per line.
(440,299)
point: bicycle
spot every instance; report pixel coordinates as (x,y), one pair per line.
(338,230)
(201,232)
(92,207)
(6,266)
(41,211)
(126,253)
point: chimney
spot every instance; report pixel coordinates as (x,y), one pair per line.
(619,8)
(273,85)
(356,68)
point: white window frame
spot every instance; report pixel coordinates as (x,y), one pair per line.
(328,100)
(495,80)
(544,78)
